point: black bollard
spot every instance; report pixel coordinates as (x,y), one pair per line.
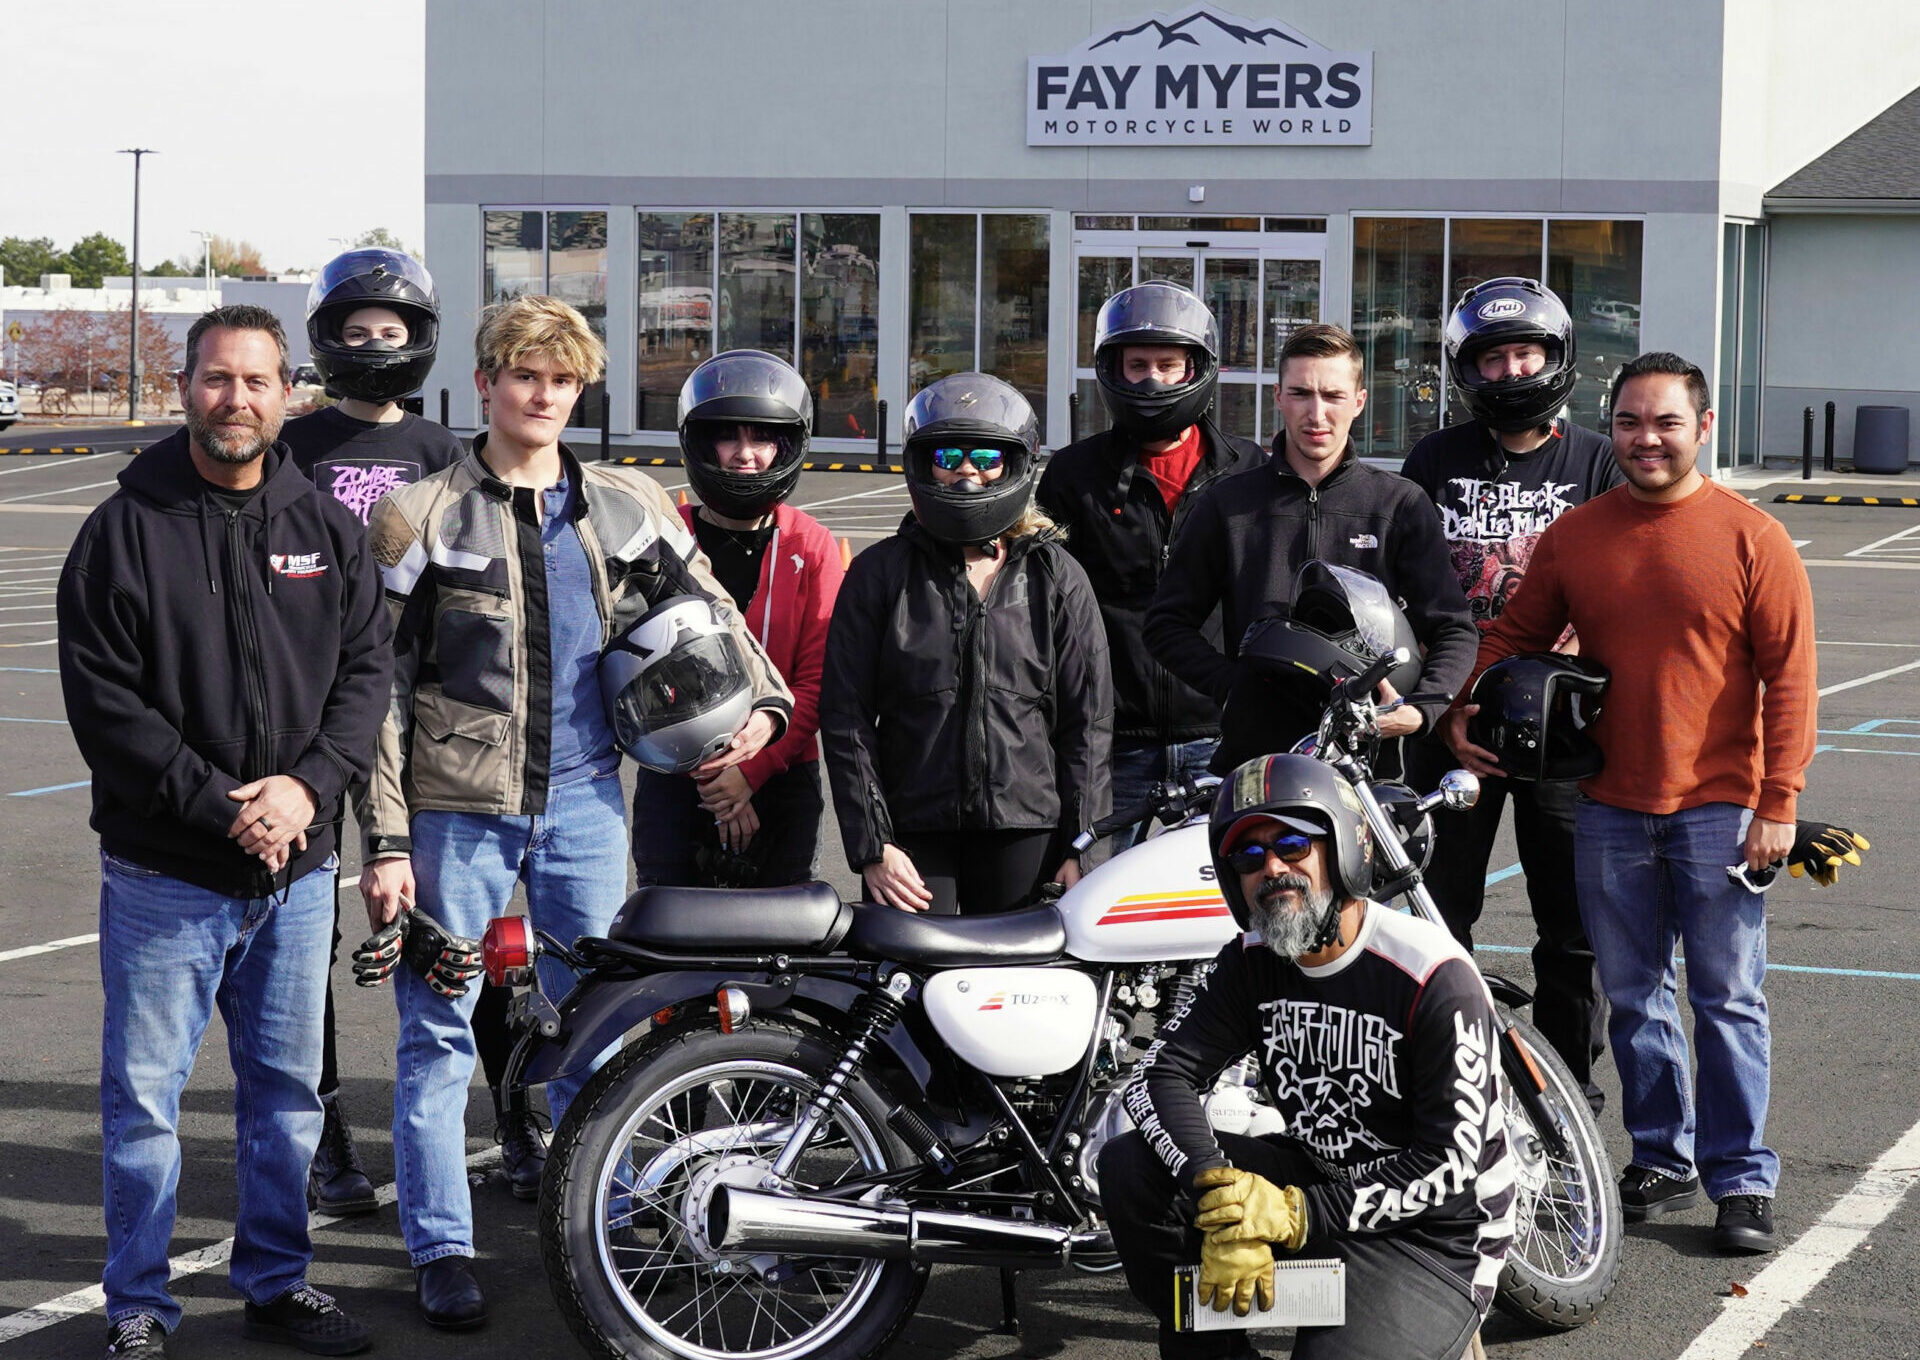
(1806,444)
(1826,460)
(1073,417)
(880,432)
(445,406)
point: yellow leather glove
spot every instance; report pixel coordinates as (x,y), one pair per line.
(1242,1207)
(1819,850)
(1232,1273)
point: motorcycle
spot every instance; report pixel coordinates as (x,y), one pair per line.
(821,1100)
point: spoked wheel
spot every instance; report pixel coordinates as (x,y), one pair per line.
(1566,1216)
(623,1208)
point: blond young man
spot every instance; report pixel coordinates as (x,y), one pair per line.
(504,575)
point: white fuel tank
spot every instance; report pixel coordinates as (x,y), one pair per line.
(1154,903)
(1013,1022)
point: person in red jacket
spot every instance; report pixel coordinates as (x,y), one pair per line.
(744,422)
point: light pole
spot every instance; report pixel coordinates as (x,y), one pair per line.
(206,263)
(133,311)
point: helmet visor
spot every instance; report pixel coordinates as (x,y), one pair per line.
(699,675)
(1336,599)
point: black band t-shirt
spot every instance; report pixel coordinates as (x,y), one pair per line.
(358,461)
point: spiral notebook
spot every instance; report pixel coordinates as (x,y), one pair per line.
(1309,1293)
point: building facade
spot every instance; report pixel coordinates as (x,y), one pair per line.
(886,191)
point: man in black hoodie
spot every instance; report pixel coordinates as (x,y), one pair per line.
(223,652)
(1123,494)
(1241,547)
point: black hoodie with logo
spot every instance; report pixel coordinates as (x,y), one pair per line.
(204,646)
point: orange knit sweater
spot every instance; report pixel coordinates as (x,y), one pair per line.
(1702,613)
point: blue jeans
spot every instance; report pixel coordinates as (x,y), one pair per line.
(169,953)
(573,859)
(1136,769)
(1648,883)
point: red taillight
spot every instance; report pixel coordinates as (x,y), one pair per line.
(507,950)
(732,1004)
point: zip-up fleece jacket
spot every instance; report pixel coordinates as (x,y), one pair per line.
(941,711)
(800,576)
(1250,533)
(1118,528)
(202,649)
(469,728)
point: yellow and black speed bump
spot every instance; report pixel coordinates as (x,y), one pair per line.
(1802,498)
(805,467)
(57,448)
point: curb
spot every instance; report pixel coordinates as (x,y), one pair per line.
(1801,498)
(804,467)
(56,448)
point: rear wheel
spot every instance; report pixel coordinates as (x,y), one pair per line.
(635,1162)
(1566,1215)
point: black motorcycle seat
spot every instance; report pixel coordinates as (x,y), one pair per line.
(807,917)
(880,932)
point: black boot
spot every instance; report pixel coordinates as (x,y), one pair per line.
(522,1137)
(335,1182)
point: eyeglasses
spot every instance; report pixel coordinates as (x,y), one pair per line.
(1251,858)
(949,460)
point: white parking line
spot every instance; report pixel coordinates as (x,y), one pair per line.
(1794,1272)
(92,1299)
(59,491)
(1830,689)
(64,462)
(1867,548)
(28,951)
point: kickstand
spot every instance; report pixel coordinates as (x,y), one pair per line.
(1009,1302)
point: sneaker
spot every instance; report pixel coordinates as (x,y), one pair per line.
(522,1137)
(1647,1194)
(307,1320)
(1745,1223)
(335,1182)
(137,1334)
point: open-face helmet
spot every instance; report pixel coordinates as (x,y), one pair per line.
(1511,311)
(1536,710)
(743,387)
(1305,795)
(374,277)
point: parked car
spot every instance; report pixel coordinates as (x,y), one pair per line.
(9,405)
(306,375)
(1620,318)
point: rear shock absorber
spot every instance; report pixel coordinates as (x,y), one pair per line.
(872,1014)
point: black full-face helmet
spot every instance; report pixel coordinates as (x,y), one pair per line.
(375,277)
(1511,311)
(1536,710)
(744,387)
(970,411)
(1340,622)
(1306,795)
(1156,314)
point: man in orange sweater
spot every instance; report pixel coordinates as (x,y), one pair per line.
(1697,604)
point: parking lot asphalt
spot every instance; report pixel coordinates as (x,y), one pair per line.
(1844,991)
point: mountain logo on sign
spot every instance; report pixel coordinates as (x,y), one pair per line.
(1177,31)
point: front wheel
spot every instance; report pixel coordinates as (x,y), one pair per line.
(1566,1215)
(634,1164)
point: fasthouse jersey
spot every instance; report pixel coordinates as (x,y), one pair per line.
(1383,1065)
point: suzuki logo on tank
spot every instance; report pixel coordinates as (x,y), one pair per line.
(1201,77)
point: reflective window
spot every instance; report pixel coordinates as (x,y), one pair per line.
(1491,248)
(1292,301)
(1232,294)
(1098,223)
(840,320)
(757,282)
(1199,224)
(1167,269)
(1399,274)
(577,264)
(1595,268)
(1314,224)
(675,310)
(941,297)
(515,243)
(1236,408)
(1101,276)
(1014,277)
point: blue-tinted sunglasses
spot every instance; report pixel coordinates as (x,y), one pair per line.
(949,460)
(1251,857)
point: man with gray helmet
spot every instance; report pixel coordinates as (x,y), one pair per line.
(1376,1037)
(1122,495)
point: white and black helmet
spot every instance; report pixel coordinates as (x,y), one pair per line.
(744,387)
(375,277)
(1156,314)
(970,411)
(675,685)
(1511,311)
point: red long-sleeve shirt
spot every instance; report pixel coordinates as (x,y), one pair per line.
(1702,613)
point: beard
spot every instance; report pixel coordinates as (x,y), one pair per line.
(1287,912)
(231,443)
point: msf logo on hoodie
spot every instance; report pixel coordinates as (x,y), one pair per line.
(297,566)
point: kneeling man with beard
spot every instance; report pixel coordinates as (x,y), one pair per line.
(1376,1041)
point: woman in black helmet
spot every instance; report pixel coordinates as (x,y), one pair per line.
(966,702)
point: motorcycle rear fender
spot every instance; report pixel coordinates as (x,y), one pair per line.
(1507,992)
(598,1012)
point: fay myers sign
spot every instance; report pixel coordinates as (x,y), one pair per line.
(1201,77)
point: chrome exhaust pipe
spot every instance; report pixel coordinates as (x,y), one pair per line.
(754,1222)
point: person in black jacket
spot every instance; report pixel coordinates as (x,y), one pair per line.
(966,704)
(1242,544)
(1121,496)
(225,661)
(1499,480)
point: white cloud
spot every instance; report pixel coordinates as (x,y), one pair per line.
(280,122)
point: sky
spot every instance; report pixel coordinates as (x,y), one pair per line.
(254,106)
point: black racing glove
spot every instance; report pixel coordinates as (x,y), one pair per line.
(447,962)
(1819,850)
